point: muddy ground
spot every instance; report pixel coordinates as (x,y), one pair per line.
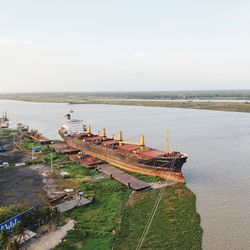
(11,156)
(21,185)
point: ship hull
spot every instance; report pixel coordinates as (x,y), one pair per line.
(172,171)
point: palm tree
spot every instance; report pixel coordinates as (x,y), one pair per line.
(4,239)
(19,234)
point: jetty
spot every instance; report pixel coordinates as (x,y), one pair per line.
(127,179)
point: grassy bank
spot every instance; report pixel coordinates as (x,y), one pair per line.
(176,224)
(114,221)
(78,99)
(219,106)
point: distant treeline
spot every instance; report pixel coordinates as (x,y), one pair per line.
(154,95)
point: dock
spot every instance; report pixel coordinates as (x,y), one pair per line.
(128,180)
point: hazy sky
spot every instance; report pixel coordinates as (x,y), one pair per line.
(59,45)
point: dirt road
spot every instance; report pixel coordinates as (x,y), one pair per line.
(53,238)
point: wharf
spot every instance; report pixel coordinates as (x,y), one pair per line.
(63,148)
(126,179)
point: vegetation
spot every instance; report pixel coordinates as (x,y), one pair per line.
(176,225)
(97,223)
(4,132)
(167,99)
(145,178)
(28,144)
(117,216)
(148,95)
(31,219)
(9,212)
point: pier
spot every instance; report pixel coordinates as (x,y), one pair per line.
(128,180)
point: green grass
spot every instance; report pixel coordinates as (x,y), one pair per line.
(5,131)
(145,178)
(115,220)
(28,144)
(97,222)
(176,224)
(76,171)
(110,221)
(7,212)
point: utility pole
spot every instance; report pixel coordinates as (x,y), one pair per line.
(167,144)
(32,152)
(51,163)
(13,141)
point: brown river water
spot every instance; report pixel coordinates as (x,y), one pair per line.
(218,144)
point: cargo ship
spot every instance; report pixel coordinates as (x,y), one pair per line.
(130,156)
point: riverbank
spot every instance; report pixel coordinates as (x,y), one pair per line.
(224,105)
(117,216)
(205,105)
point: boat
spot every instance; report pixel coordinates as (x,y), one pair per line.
(38,137)
(129,156)
(4,121)
(22,127)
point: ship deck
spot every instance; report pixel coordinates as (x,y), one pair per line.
(40,139)
(126,179)
(87,162)
(63,148)
(141,153)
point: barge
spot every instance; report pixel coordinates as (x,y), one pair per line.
(38,137)
(130,156)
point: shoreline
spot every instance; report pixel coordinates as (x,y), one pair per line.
(114,213)
(243,107)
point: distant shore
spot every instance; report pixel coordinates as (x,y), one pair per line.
(219,105)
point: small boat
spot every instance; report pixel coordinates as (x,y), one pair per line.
(21,127)
(4,121)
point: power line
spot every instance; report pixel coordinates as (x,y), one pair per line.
(152,215)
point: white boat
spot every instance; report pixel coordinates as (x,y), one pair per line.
(4,121)
(21,127)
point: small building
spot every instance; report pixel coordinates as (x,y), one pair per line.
(64,175)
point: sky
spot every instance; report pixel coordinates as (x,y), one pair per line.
(132,45)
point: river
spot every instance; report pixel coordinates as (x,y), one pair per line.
(218,144)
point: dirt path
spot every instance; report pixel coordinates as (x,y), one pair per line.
(53,238)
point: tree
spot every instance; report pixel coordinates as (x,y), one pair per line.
(4,239)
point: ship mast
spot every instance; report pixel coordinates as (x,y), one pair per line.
(167,144)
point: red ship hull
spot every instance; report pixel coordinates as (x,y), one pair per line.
(146,161)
